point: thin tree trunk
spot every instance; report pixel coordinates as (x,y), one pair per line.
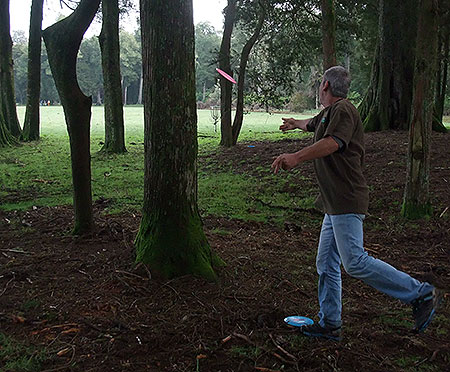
(416,203)
(63,41)
(239,117)
(171,240)
(226,87)
(32,120)
(99,97)
(141,83)
(110,49)
(328,34)
(387,103)
(125,95)
(7,95)
(441,80)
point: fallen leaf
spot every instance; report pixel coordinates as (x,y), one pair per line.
(71,330)
(18,319)
(226,339)
(63,351)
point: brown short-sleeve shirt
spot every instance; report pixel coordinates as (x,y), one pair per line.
(343,188)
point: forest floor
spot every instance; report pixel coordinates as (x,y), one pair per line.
(80,304)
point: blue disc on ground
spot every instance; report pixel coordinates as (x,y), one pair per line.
(298,321)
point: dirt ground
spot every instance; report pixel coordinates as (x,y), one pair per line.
(84,301)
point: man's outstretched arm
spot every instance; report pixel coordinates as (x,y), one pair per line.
(291,123)
(326,146)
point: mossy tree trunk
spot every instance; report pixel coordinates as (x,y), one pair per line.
(239,116)
(31,124)
(63,41)
(226,87)
(110,49)
(7,94)
(387,103)
(6,138)
(328,33)
(416,203)
(442,69)
(171,240)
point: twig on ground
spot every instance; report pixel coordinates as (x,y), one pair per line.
(281,349)
(292,285)
(16,251)
(6,286)
(131,274)
(278,356)
(66,365)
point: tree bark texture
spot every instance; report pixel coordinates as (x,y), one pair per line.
(6,138)
(328,34)
(171,240)
(226,87)
(442,70)
(32,120)
(239,116)
(63,41)
(416,203)
(110,49)
(7,94)
(387,103)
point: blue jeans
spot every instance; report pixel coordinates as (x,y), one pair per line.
(341,241)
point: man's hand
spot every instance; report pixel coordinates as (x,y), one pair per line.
(291,123)
(288,124)
(284,161)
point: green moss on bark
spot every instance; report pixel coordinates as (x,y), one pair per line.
(415,211)
(171,250)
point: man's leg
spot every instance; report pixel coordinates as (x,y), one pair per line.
(328,267)
(348,233)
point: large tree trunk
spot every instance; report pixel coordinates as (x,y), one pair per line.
(110,49)
(387,103)
(416,203)
(63,41)
(5,136)
(239,117)
(7,95)
(442,70)
(328,34)
(171,238)
(226,87)
(31,124)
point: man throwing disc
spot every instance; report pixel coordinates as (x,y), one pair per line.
(338,155)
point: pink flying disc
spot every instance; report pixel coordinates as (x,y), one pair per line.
(225,75)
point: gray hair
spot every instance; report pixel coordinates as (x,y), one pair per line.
(339,79)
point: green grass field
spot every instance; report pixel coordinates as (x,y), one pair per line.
(39,174)
(255,123)
(447,121)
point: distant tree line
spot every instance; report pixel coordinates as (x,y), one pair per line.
(89,69)
(280,73)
